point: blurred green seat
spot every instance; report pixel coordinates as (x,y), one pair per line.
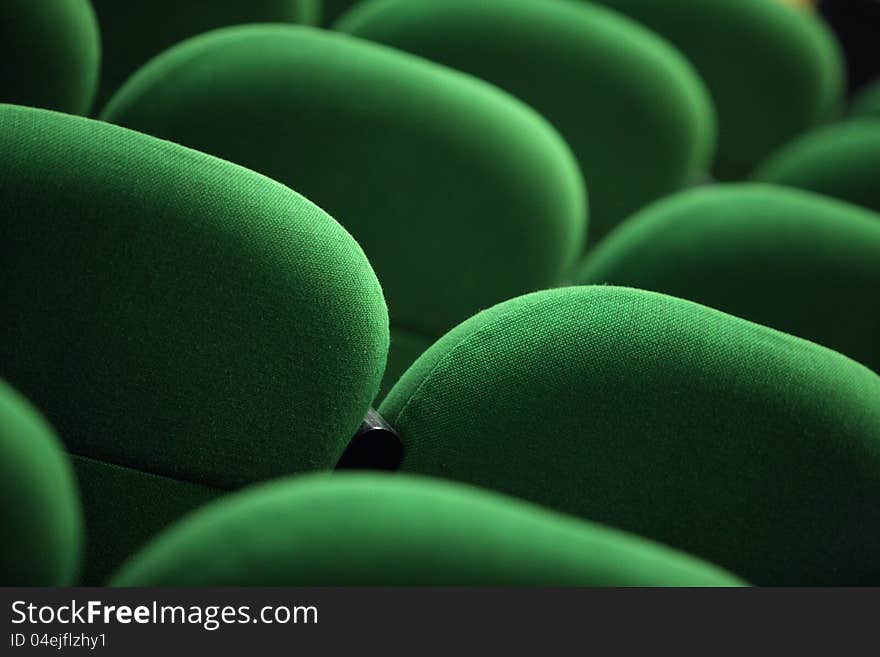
(391,530)
(867,102)
(634,111)
(841,160)
(773,71)
(40,515)
(50,53)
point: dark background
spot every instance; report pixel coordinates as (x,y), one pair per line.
(857,25)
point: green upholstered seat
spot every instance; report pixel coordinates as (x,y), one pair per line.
(841,160)
(796,261)
(388,530)
(403,349)
(134,31)
(187,325)
(40,516)
(460,195)
(773,71)
(50,52)
(751,448)
(867,102)
(633,110)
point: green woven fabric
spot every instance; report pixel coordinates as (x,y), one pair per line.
(178,314)
(798,262)
(404,349)
(745,446)
(124,508)
(460,195)
(50,52)
(773,71)
(842,160)
(867,102)
(133,31)
(391,530)
(633,110)
(40,517)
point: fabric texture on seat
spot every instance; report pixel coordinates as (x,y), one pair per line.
(796,261)
(177,314)
(460,195)
(742,445)
(403,350)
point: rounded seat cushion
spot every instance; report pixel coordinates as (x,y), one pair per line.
(50,52)
(841,160)
(796,261)
(748,447)
(403,350)
(460,195)
(178,315)
(134,32)
(773,71)
(391,530)
(40,515)
(635,113)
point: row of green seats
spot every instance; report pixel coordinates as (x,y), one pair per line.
(742,445)
(72,54)
(460,195)
(772,71)
(639,114)
(841,160)
(794,260)
(194,327)
(191,327)
(321,530)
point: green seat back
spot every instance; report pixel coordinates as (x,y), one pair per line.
(176,315)
(773,71)
(460,195)
(793,260)
(50,53)
(633,110)
(751,448)
(841,160)
(391,530)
